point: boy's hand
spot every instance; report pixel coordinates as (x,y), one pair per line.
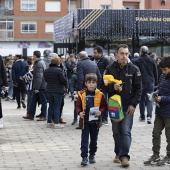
(117,87)
(98,113)
(81,114)
(158,99)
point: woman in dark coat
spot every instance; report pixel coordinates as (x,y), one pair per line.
(3,86)
(55,90)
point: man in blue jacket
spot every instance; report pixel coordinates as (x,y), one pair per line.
(149,75)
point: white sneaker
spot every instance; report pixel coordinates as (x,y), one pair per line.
(1,123)
(149,120)
(58,126)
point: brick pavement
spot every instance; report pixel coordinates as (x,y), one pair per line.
(29,145)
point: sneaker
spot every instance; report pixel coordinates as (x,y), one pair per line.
(23,104)
(116,159)
(141,119)
(58,126)
(125,162)
(74,122)
(104,122)
(1,123)
(149,120)
(9,97)
(84,161)
(164,161)
(78,127)
(50,125)
(19,107)
(92,159)
(28,117)
(152,160)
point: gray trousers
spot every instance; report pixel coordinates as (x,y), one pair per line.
(159,124)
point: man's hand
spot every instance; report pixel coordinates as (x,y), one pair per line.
(158,99)
(130,110)
(81,114)
(36,91)
(117,87)
(98,113)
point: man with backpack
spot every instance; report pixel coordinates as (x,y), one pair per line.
(130,93)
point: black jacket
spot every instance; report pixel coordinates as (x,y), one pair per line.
(164,92)
(148,70)
(55,79)
(84,67)
(102,63)
(131,90)
(3,76)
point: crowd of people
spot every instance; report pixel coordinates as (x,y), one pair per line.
(49,78)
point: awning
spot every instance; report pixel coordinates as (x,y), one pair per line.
(113,24)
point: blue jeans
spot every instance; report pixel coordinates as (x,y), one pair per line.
(93,130)
(10,90)
(42,97)
(105,115)
(55,100)
(145,102)
(122,136)
(75,113)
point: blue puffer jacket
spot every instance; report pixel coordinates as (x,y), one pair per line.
(164,92)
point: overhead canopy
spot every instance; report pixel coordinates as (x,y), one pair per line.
(113,24)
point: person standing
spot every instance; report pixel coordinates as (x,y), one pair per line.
(149,73)
(162,117)
(102,63)
(39,86)
(18,70)
(3,82)
(55,89)
(124,70)
(90,99)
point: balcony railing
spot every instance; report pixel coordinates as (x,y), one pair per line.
(6,12)
(6,34)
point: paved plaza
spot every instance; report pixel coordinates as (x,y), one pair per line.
(29,145)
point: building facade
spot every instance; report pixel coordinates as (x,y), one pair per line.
(27,25)
(157,4)
(113,4)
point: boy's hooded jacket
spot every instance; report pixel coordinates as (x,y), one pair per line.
(99,101)
(164,92)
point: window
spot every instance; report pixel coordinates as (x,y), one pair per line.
(131,5)
(9,4)
(52,6)
(28,27)
(28,5)
(6,29)
(49,28)
(105,6)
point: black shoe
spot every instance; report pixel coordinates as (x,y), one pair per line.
(28,117)
(141,119)
(19,107)
(42,119)
(39,115)
(84,161)
(74,122)
(92,159)
(23,104)
(78,127)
